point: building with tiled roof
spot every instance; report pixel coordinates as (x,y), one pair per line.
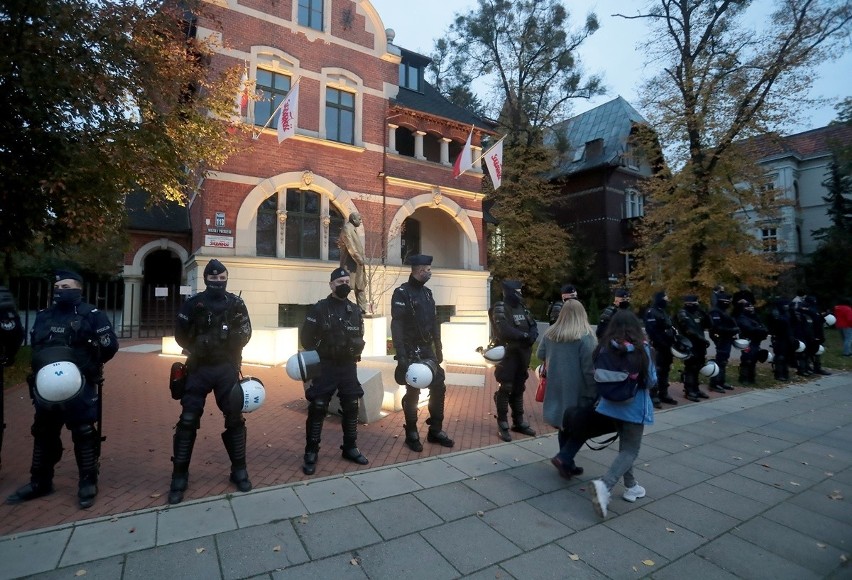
(598,171)
(796,166)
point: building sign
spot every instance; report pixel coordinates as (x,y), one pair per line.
(220,219)
(219,241)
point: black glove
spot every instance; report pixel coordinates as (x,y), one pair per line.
(439,355)
(401,369)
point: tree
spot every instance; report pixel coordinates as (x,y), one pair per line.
(101,98)
(720,84)
(525,52)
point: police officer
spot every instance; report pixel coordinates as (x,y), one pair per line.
(69,331)
(568,292)
(515,329)
(213,326)
(11,336)
(783,342)
(416,337)
(692,321)
(620,301)
(723,330)
(753,330)
(661,332)
(803,331)
(334,328)
(810,306)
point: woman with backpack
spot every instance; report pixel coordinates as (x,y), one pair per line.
(566,353)
(624,342)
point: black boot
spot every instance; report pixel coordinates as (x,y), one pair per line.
(655,398)
(715,386)
(663,392)
(313,434)
(86,444)
(818,367)
(46,454)
(234,437)
(349,409)
(690,387)
(723,378)
(519,425)
(501,401)
(183,442)
(436,416)
(409,409)
(743,373)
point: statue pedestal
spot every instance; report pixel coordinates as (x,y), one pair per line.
(375,335)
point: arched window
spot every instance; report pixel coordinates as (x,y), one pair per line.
(303,215)
(267,226)
(303,224)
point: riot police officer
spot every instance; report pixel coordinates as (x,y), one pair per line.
(11,336)
(753,330)
(803,331)
(818,334)
(516,330)
(621,300)
(723,330)
(661,332)
(692,321)
(334,328)
(567,292)
(76,339)
(213,326)
(783,342)
(416,337)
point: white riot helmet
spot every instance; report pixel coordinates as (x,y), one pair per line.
(830,320)
(800,347)
(765,356)
(58,382)
(820,351)
(420,374)
(741,343)
(303,366)
(248,394)
(682,347)
(710,369)
(494,354)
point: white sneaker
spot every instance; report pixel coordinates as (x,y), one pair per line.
(600,499)
(631,494)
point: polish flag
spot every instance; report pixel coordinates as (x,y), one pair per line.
(494,163)
(288,120)
(463,162)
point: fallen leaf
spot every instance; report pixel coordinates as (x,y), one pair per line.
(80,573)
(276,549)
(635,569)
(131,530)
(480,513)
(354,562)
(766,465)
(829,474)
(303,519)
(156,495)
(821,546)
(804,462)
(687,445)
(844,558)
(738,458)
(670,530)
(114,520)
(574,557)
(269,444)
(648,562)
(835,495)
(796,484)
(199,550)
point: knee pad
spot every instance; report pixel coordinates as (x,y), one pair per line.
(506,388)
(189,420)
(233,420)
(83,432)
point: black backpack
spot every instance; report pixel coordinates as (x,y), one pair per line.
(618,374)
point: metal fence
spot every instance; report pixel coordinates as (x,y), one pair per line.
(154,317)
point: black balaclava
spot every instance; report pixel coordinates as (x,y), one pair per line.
(512,292)
(215,288)
(660,300)
(342,291)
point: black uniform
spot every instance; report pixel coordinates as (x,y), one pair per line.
(818,334)
(11,336)
(75,329)
(691,322)
(515,329)
(753,330)
(610,311)
(783,342)
(416,337)
(723,330)
(803,330)
(335,329)
(661,332)
(213,326)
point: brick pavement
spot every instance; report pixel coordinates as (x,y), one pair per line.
(139,418)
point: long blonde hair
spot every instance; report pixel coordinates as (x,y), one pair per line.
(572,323)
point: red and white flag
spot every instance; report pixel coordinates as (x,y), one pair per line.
(494,163)
(463,161)
(289,118)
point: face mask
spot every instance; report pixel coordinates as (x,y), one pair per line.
(425,276)
(342,291)
(217,288)
(624,304)
(67,296)
(690,307)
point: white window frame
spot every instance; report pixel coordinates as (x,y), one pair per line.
(343,80)
(634,204)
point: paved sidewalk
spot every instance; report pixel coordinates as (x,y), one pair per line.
(755,485)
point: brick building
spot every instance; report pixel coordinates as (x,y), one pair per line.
(372,137)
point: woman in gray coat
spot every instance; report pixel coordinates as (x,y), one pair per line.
(566,352)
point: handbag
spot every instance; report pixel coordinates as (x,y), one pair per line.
(586,423)
(542,386)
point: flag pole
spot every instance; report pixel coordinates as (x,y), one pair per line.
(481,157)
(472,127)
(272,116)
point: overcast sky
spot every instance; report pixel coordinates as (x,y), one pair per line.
(610,52)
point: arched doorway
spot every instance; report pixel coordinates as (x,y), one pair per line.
(160,298)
